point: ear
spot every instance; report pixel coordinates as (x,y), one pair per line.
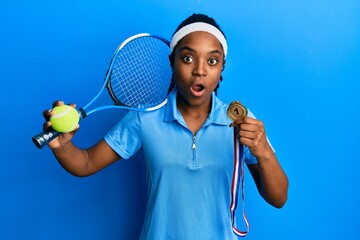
(223,67)
(171,60)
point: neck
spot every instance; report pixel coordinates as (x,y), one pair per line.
(193,109)
(194,115)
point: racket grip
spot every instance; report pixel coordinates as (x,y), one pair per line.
(44,138)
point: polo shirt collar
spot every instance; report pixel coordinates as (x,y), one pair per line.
(216,116)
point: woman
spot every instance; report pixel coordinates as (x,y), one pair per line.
(187,145)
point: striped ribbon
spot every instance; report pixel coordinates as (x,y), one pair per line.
(238,176)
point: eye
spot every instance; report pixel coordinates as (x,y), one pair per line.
(188,59)
(213,61)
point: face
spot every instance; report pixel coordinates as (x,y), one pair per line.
(198,62)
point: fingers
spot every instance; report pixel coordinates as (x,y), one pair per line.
(245,120)
(72,105)
(251,133)
(250,130)
(237,122)
(46,125)
(58,103)
(251,125)
(49,112)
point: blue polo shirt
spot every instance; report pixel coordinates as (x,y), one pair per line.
(188,176)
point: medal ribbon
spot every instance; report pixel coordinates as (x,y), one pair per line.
(238,176)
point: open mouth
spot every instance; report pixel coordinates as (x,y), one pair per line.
(197,89)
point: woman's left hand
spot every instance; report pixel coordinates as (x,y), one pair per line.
(252,134)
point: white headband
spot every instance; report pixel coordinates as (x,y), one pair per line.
(198,27)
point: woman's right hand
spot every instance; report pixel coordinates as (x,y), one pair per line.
(63,138)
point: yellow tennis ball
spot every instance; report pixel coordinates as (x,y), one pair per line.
(65,119)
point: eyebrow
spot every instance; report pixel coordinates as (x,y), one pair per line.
(192,50)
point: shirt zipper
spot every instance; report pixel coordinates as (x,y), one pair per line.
(194,143)
(193,147)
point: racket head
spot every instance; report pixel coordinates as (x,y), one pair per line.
(139,76)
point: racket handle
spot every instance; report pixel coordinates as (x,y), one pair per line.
(44,138)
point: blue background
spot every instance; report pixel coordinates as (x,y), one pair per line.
(295,64)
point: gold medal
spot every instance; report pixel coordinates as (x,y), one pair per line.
(236,110)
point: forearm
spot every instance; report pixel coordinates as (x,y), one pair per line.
(268,175)
(73,159)
(273,181)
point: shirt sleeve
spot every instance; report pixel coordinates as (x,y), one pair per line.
(125,137)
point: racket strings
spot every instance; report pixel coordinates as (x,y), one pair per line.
(140,74)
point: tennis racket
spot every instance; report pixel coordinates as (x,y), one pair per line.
(138,79)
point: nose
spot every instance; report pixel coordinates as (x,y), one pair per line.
(199,69)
